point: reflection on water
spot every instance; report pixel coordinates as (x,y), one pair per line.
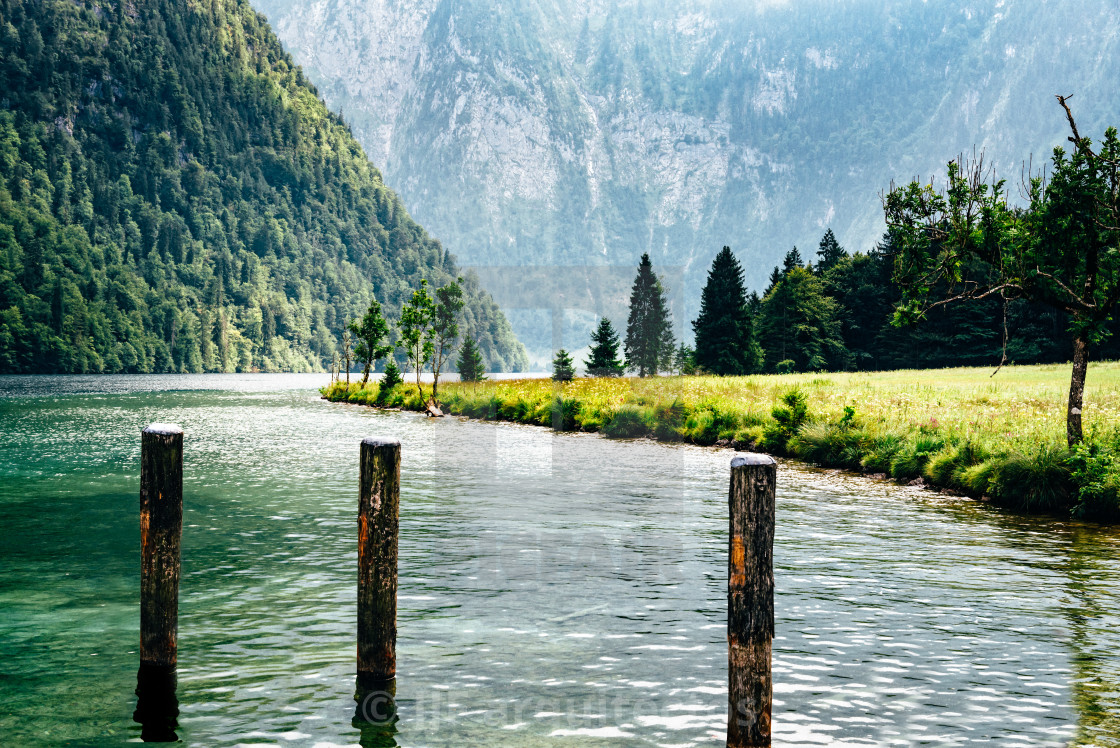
(157,708)
(554,589)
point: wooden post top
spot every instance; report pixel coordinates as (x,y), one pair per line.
(164,429)
(751,458)
(381,441)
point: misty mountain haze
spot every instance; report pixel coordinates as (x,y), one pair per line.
(573,134)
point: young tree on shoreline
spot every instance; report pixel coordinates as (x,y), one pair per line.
(563,369)
(445,328)
(347,351)
(1063,250)
(416,330)
(649,329)
(603,360)
(371,334)
(470,362)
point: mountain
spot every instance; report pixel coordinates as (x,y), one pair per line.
(174,196)
(570,136)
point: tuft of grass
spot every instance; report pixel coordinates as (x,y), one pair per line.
(628,422)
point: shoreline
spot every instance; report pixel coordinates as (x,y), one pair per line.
(858,423)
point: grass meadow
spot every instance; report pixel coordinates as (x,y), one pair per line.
(1001,438)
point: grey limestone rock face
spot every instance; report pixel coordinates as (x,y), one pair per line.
(575,133)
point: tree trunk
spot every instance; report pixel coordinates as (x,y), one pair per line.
(1077,389)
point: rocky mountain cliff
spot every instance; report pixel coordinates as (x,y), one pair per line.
(576,134)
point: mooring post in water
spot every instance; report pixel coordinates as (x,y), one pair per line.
(378,521)
(750,600)
(161,528)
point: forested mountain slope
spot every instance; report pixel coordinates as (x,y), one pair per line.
(174,196)
(585,132)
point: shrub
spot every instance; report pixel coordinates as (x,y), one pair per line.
(788,420)
(626,423)
(909,461)
(668,421)
(882,453)
(834,444)
(1042,482)
(1094,469)
(564,413)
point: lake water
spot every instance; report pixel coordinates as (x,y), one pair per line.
(555,590)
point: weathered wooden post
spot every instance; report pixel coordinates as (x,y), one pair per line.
(750,600)
(161,529)
(378,522)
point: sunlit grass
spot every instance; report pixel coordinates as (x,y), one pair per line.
(962,428)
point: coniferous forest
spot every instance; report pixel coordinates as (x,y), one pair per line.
(175,197)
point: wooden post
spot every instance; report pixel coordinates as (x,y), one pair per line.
(750,600)
(378,513)
(161,528)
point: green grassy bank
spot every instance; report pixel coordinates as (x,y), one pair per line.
(1000,438)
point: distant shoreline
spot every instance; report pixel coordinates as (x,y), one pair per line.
(956,430)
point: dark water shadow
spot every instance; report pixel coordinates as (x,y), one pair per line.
(157,706)
(375,715)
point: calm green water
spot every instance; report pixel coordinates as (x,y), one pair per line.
(555,590)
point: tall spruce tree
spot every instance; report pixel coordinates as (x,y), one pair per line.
(603,360)
(725,342)
(649,328)
(829,252)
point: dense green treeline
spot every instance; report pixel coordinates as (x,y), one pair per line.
(174,196)
(836,312)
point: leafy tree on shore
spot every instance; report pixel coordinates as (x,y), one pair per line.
(1063,250)
(725,341)
(371,334)
(416,331)
(798,323)
(445,328)
(649,329)
(603,360)
(563,369)
(470,362)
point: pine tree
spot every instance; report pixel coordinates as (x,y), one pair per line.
(684,361)
(792,260)
(389,379)
(829,252)
(649,328)
(725,342)
(470,364)
(563,369)
(604,360)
